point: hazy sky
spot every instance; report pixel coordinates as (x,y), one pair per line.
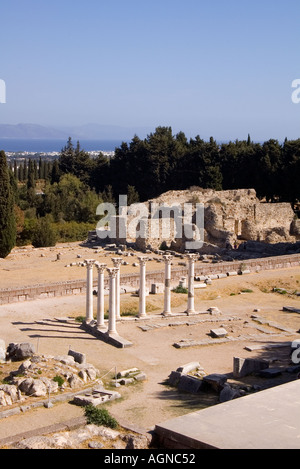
(219,67)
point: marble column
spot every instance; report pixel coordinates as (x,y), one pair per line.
(142,289)
(112,301)
(167,300)
(117,264)
(100,298)
(89,290)
(191,289)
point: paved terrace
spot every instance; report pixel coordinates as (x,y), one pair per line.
(266,420)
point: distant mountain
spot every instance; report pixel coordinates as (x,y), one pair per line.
(84,132)
(29,131)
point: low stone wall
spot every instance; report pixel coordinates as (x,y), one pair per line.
(79,286)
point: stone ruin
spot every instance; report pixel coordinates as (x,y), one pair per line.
(229,217)
(42,376)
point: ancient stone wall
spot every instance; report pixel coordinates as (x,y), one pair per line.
(228,216)
(133,279)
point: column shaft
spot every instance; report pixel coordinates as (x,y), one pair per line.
(112,301)
(167,298)
(100,299)
(89,292)
(117,265)
(191,289)
(142,289)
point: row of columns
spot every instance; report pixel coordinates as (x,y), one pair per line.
(114,290)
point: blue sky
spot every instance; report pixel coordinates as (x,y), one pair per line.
(220,68)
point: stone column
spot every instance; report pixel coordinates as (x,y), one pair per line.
(89,290)
(191,290)
(167,300)
(112,301)
(142,289)
(100,298)
(117,263)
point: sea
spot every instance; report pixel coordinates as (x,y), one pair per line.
(52,145)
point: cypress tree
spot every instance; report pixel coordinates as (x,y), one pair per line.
(7,216)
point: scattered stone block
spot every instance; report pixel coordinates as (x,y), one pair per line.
(78,357)
(174,378)
(189,384)
(19,352)
(246,366)
(219,333)
(140,377)
(185,369)
(126,381)
(215,381)
(270,373)
(157,288)
(293,369)
(213,276)
(290,309)
(124,373)
(228,393)
(231,274)
(245,272)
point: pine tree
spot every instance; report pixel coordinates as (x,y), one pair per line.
(7,216)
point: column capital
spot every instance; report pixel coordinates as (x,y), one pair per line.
(143,260)
(192,257)
(112,272)
(90,262)
(168,259)
(117,261)
(100,267)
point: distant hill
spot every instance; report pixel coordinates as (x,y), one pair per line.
(29,131)
(86,132)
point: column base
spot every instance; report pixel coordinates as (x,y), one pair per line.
(90,322)
(190,311)
(112,334)
(167,313)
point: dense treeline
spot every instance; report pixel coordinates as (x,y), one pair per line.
(164,162)
(145,168)
(57,200)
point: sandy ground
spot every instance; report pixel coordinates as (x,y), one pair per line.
(28,266)
(150,402)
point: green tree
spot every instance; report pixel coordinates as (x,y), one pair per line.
(55,172)
(8,230)
(132,196)
(44,234)
(67,158)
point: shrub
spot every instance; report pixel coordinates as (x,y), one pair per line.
(59,380)
(180,289)
(44,234)
(100,417)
